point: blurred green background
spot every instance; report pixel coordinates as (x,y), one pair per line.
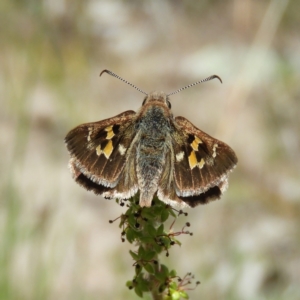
(56,242)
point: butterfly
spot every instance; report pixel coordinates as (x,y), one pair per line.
(151,153)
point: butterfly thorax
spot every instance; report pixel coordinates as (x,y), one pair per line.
(153,126)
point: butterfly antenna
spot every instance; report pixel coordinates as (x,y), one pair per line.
(203,80)
(115,75)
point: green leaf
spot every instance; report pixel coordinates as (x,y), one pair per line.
(172,273)
(164,215)
(131,220)
(164,269)
(138,234)
(148,213)
(141,252)
(160,229)
(134,255)
(144,285)
(175,295)
(149,255)
(176,241)
(150,230)
(138,291)
(172,213)
(149,268)
(138,269)
(173,285)
(166,241)
(157,209)
(130,235)
(163,273)
(158,249)
(146,240)
(184,295)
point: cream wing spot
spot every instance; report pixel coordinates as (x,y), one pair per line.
(90,129)
(179,156)
(201,163)
(215,146)
(98,150)
(122,149)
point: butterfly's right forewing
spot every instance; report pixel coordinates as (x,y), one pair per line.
(98,150)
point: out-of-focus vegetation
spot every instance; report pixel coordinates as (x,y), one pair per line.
(56,242)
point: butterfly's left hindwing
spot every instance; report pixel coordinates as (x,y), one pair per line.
(98,151)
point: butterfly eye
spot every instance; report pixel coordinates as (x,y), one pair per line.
(169,104)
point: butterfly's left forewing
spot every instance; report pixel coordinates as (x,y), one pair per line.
(201,164)
(98,151)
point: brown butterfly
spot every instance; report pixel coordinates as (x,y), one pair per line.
(152,153)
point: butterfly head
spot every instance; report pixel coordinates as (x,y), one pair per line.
(157,98)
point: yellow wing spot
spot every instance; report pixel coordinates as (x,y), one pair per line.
(193,160)
(195,143)
(108,149)
(110,132)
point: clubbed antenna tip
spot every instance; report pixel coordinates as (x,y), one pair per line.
(117,76)
(203,80)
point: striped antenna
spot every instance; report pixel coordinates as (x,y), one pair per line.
(115,75)
(203,80)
